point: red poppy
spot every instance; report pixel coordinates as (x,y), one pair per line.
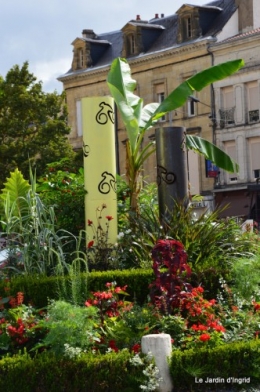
(109,217)
(90,222)
(91,243)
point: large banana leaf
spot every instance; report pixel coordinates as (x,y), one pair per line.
(179,96)
(211,152)
(137,119)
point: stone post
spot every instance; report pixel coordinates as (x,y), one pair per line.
(160,347)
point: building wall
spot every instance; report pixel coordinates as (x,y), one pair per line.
(243,132)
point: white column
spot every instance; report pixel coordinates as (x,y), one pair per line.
(161,347)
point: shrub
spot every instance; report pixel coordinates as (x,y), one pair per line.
(237,360)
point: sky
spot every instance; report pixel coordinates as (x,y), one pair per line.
(41,32)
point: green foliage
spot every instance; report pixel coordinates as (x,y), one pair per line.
(63,189)
(110,372)
(132,324)
(210,242)
(38,289)
(69,324)
(238,360)
(13,194)
(245,277)
(33,124)
(29,230)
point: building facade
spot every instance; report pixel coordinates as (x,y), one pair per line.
(237,101)
(162,53)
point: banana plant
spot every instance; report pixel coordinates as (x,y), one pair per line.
(138,118)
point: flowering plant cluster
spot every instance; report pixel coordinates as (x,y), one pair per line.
(108,302)
(19,325)
(99,249)
(201,320)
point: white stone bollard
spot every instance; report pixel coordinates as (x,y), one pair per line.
(161,347)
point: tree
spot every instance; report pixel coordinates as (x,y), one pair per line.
(137,119)
(33,124)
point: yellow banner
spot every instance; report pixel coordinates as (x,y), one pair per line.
(99,167)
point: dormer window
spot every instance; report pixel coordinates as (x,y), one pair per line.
(131,44)
(187,23)
(138,36)
(80,58)
(191,21)
(187,27)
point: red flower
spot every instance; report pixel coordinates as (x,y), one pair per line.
(136,348)
(199,327)
(89,222)
(109,217)
(20,298)
(112,345)
(91,243)
(256,306)
(204,337)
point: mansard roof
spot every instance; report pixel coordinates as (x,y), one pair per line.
(212,18)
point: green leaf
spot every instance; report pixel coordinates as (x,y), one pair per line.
(121,87)
(179,96)
(211,152)
(15,190)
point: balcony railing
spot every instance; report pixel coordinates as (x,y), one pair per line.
(253,115)
(227,117)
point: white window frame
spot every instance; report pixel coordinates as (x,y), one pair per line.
(252,89)
(254,156)
(227,109)
(159,94)
(191,111)
(80,58)
(231,150)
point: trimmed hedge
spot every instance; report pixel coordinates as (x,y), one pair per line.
(91,373)
(39,289)
(228,364)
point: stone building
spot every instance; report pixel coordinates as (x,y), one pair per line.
(163,52)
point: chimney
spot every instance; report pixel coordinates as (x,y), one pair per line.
(247,14)
(88,34)
(162,15)
(156,16)
(138,17)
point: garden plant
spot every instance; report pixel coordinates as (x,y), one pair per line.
(203,291)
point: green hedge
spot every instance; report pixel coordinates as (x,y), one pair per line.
(232,365)
(91,373)
(236,362)
(39,289)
